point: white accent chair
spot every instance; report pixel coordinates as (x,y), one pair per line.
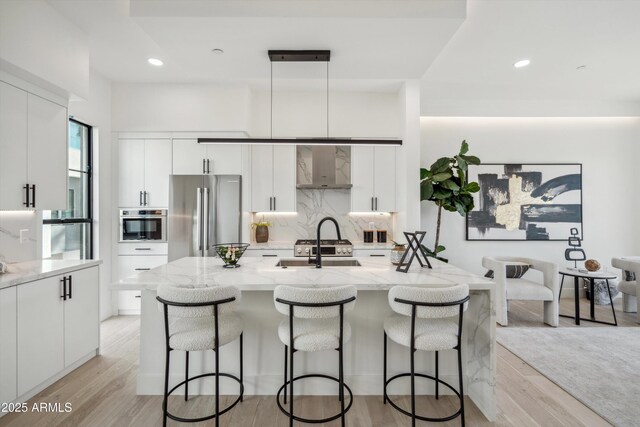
(525,289)
(630,288)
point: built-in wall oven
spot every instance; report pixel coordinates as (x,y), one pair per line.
(143,225)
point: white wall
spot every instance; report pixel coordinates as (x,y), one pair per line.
(41,46)
(96,111)
(608,149)
(179,107)
(304,113)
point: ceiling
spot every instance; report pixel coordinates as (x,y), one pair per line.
(475,70)
(369,39)
(463,51)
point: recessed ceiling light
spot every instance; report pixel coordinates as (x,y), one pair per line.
(217,51)
(522,63)
(155,62)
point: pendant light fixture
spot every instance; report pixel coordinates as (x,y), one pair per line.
(301,56)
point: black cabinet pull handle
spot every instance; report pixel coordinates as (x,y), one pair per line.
(269,255)
(141,198)
(33,196)
(208,166)
(274,203)
(142,269)
(70,287)
(142,249)
(27,203)
(64,289)
(377,255)
(146,194)
(204,166)
(138,296)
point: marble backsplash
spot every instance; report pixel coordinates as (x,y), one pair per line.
(312,206)
(11,222)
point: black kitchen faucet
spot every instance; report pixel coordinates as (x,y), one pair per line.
(318,254)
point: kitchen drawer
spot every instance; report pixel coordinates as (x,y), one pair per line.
(141,248)
(269,253)
(129,265)
(372,252)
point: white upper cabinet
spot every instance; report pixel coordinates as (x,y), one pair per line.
(13,147)
(273,178)
(191,158)
(47,153)
(33,151)
(145,166)
(373,175)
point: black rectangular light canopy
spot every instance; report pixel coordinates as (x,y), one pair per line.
(302,141)
(300,55)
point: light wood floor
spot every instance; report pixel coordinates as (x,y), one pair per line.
(102,391)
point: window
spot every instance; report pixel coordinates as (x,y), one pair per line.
(68,234)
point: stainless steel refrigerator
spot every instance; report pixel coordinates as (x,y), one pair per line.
(203,210)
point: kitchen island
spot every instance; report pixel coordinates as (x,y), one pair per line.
(264,353)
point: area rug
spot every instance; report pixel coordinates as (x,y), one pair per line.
(598,366)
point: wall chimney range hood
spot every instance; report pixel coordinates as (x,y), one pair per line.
(302,56)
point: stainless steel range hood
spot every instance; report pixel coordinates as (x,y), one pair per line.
(330,167)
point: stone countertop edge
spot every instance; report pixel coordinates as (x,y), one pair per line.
(261,274)
(29,271)
(284,245)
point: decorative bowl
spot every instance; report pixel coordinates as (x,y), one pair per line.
(230,253)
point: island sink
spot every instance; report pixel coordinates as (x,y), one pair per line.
(326,263)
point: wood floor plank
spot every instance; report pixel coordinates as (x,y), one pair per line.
(102,391)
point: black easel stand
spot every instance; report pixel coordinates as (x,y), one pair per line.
(413,251)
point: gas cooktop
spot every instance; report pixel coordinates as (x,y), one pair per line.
(328,247)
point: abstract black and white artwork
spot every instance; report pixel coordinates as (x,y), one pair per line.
(525,201)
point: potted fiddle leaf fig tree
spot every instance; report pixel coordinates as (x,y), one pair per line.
(445,184)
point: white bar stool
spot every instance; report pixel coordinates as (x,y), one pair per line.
(319,325)
(426,320)
(199,319)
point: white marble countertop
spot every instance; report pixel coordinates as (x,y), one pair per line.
(282,245)
(23,272)
(261,274)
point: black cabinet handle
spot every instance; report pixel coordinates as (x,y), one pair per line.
(64,289)
(269,255)
(27,203)
(70,287)
(138,296)
(274,203)
(146,194)
(372,208)
(33,196)
(377,255)
(204,166)
(208,166)
(142,249)
(142,269)
(376,203)
(141,198)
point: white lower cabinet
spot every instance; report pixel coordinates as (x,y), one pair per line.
(81,322)
(8,341)
(40,332)
(55,328)
(129,265)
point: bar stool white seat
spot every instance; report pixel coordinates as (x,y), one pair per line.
(200,319)
(315,323)
(428,319)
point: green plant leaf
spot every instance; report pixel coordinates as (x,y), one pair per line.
(472,160)
(462,164)
(426,191)
(464,148)
(442,176)
(441,193)
(424,174)
(441,165)
(450,185)
(440,249)
(472,187)
(461,207)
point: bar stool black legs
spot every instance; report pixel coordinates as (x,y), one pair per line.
(429,311)
(188,343)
